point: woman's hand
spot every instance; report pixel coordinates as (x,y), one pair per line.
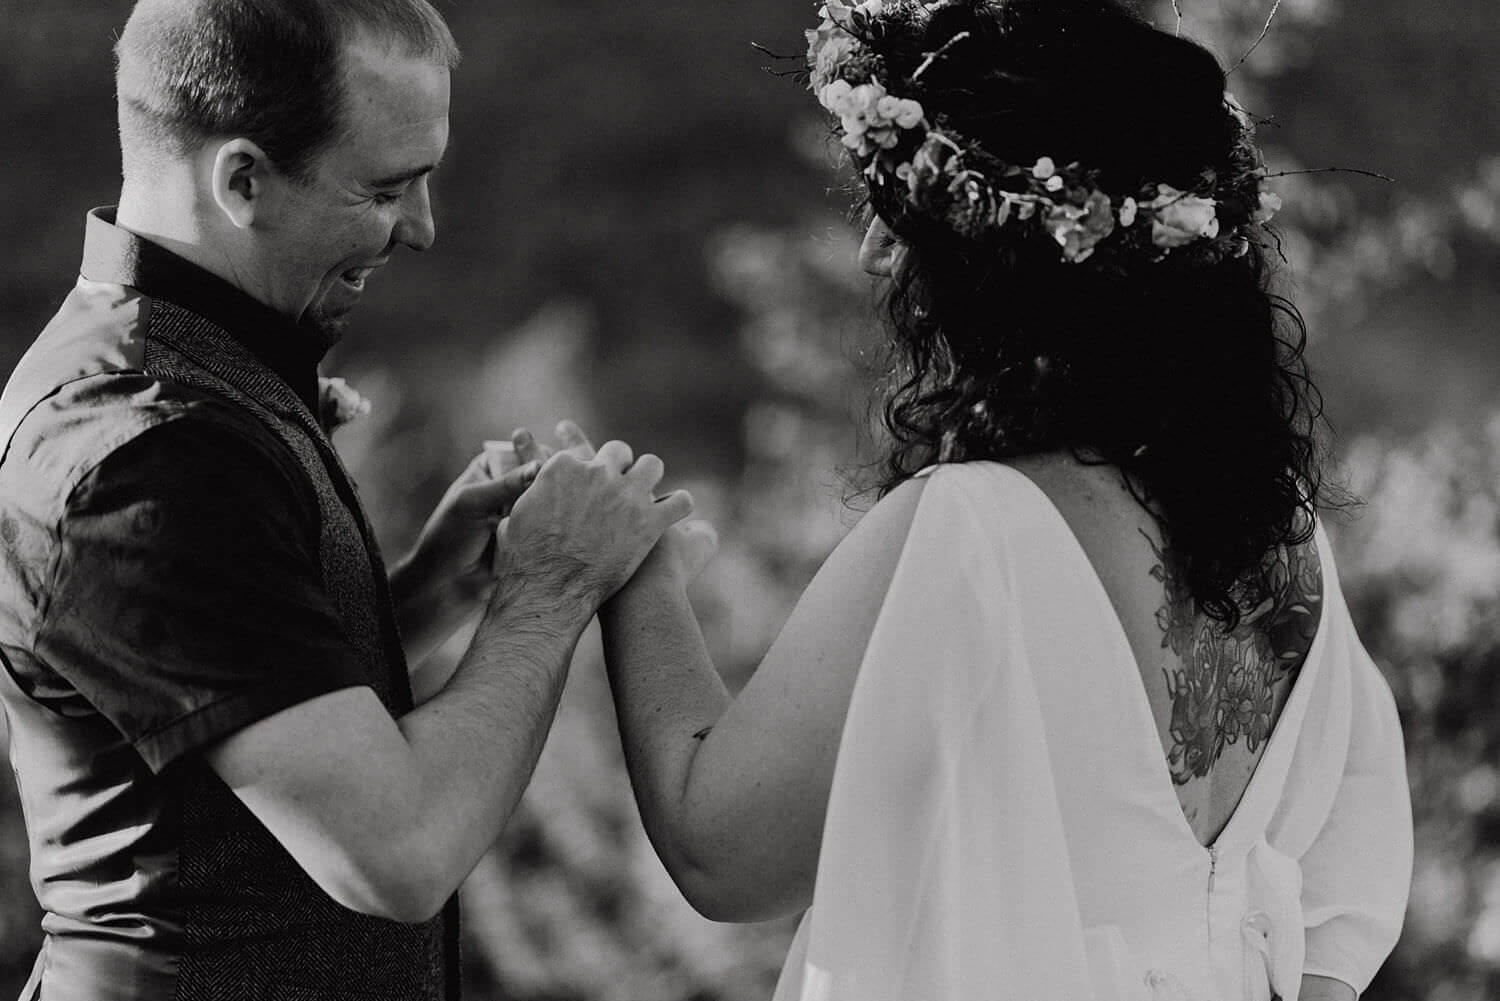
(682,553)
(456,546)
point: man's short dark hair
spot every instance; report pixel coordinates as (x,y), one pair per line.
(268,70)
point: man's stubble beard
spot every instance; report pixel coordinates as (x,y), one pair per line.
(327,328)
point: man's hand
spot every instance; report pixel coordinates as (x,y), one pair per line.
(587,521)
(684,549)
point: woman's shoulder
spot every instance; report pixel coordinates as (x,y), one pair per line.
(961,507)
(942,485)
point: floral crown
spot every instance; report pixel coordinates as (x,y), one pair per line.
(948,178)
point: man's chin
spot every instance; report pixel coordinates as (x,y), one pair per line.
(327,326)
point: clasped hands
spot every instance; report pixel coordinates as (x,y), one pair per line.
(586,518)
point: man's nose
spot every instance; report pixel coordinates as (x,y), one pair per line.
(416,228)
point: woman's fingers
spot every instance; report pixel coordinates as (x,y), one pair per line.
(574,439)
(492,499)
(527,448)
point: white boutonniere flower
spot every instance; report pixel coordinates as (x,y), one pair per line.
(339,403)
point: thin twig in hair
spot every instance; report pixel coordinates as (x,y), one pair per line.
(1333,170)
(774,55)
(794,73)
(1280,250)
(932,57)
(1264,31)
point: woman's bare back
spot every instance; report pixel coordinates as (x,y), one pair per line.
(1215,695)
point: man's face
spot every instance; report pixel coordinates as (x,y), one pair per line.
(369,193)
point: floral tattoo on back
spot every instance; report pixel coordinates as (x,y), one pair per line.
(1225,690)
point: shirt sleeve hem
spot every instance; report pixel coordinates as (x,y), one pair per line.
(220,718)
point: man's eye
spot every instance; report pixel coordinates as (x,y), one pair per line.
(388,197)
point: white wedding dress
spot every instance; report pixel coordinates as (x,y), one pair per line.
(1003,826)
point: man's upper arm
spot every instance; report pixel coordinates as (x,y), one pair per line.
(187,597)
(332,780)
(187,606)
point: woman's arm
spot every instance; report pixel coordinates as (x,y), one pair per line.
(733,792)
(1325,989)
(1356,872)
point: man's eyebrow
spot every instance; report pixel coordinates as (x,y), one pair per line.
(403,177)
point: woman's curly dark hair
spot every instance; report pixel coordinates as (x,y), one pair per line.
(1187,374)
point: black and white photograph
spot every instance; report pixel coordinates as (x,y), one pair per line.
(792,500)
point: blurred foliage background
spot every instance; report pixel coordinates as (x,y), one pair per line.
(640,229)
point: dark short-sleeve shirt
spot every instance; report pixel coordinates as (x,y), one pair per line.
(181,556)
(186,599)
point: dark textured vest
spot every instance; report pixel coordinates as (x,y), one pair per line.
(252,926)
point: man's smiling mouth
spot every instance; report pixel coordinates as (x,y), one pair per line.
(355,277)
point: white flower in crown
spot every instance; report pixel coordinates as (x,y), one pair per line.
(1077,228)
(864,102)
(1270,204)
(903,111)
(828,48)
(835,97)
(339,403)
(870,117)
(1180,218)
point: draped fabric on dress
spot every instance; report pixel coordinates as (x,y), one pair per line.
(1002,824)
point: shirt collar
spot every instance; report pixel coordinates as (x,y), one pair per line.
(119,257)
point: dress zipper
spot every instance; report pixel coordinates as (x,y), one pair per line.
(1208,903)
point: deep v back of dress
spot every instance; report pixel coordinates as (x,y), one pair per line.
(1215,695)
(1003,823)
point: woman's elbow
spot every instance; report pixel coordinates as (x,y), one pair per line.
(738,895)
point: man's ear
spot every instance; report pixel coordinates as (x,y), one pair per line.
(242,175)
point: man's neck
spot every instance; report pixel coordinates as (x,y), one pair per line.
(172,223)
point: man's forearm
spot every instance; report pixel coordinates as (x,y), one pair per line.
(667,696)
(502,698)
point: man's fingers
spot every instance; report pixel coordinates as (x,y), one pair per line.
(493,498)
(616,455)
(674,507)
(647,470)
(574,439)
